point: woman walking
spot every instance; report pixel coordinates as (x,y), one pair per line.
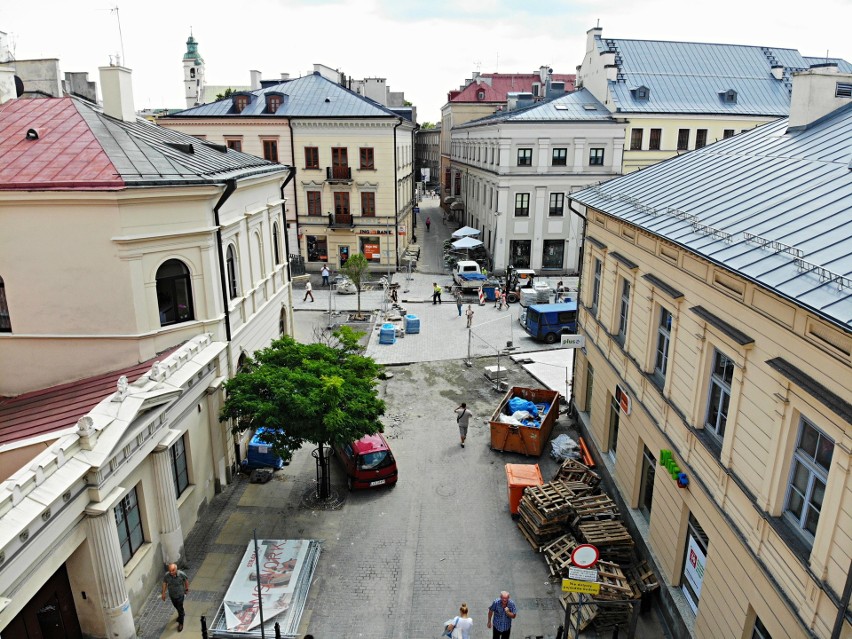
(428,223)
(461,625)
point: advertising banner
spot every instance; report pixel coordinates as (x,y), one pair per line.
(693,570)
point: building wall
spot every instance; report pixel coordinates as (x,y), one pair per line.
(757,563)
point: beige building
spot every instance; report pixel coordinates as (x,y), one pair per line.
(355,159)
(716,378)
(138,267)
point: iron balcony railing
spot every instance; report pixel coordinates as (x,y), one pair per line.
(338,173)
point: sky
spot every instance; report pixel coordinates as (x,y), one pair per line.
(424,48)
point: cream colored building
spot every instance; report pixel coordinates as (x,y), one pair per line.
(716,305)
(355,160)
(138,267)
(681,96)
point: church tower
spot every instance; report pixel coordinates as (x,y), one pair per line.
(193,74)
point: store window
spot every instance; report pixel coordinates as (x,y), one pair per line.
(646,487)
(128,519)
(519,251)
(371,248)
(179,466)
(694,562)
(553,254)
(317,248)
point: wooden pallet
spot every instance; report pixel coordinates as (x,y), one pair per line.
(593,507)
(582,616)
(642,576)
(557,554)
(611,537)
(572,470)
(614,583)
(551,499)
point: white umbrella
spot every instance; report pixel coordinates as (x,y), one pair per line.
(465,231)
(466,243)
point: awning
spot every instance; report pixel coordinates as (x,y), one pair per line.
(456,206)
(466,243)
(465,231)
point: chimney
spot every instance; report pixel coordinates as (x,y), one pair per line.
(7,84)
(817,92)
(777,71)
(544,73)
(117,91)
(591,34)
(285,76)
(255,79)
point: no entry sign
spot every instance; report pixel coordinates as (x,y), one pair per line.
(585,556)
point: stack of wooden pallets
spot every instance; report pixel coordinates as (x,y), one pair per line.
(588,507)
(611,538)
(544,512)
(572,470)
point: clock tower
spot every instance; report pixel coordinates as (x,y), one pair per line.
(193,74)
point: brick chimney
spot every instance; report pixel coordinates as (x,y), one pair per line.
(817,92)
(7,83)
(117,91)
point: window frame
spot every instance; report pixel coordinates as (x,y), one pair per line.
(728,133)
(556,210)
(366,159)
(636,139)
(314,208)
(682,140)
(270,150)
(596,156)
(232,271)
(623,311)
(612,427)
(654,139)
(273,103)
(312,158)
(661,350)
(170,284)
(700,138)
(597,276)
(235,144)
(559,156)
(525,156)
(816,471)
(368,204)
(180,466)
(276,247)
(128,505)
(522,204)
(725,388)
(5,314)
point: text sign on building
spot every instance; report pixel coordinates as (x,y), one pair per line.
(623,399)
(574,341)
(582,574)
(584,587)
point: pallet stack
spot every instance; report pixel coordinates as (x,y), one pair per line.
(611,538)
(557,555)
(590,507)
(544,512)
(572,470)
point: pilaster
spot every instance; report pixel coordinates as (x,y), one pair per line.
(171,533)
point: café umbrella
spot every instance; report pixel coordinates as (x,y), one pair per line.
(465,231)
(466,243)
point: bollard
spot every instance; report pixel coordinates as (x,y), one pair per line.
(204,627)
(277,630)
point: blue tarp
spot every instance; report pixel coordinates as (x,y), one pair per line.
(472,277)
(517,403)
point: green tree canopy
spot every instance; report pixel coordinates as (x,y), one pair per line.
(355,269)
(427,125)
(226,94)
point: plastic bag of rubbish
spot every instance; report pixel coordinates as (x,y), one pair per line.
(508,419)
(518,403)
(521,415)
(563,447)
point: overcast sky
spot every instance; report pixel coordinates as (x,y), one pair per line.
(423,48)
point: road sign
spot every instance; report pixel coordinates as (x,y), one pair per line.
(582,574)
(585,556)
(584,587)
(574,341)
(417,209)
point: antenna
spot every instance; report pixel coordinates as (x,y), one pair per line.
(120,37)
(478,65)
(599,24)
(497,70)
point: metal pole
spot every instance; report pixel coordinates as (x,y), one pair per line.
(577,627)
(203,627)
(259,594)
(277,630)
(844,604)
(469,340)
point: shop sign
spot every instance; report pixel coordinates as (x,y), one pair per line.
(584,587)
(372,251)
(694,568)
(574,341)
(667,461)
(375,232)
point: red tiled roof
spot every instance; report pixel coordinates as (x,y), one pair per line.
(59,407)
(66,155)
(504,83)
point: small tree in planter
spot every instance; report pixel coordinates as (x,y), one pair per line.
(355,269)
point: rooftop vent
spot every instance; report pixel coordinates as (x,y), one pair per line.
(32,134)
(328,99)
(185,147)
(217,147)
(590,107)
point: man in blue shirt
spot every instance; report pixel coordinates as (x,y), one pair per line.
(502,611)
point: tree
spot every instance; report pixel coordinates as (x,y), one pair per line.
(355,269)
(427,125)
(318,393)
(226,94)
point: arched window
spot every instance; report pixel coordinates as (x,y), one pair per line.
(231,269)
(174,293)
(276,251)
(5,319)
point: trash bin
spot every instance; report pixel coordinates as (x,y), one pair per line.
(412,324)
(488,290)
(518,477)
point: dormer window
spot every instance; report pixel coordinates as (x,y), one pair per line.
(273,102)
(480,95)
(641,93)
(240,103)
(729,96)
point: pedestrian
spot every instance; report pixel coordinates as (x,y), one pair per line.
(176,583)
(461,625)
(459,300)
(463,416)
(393,294)
(503,301)
(502,611)
(428,223)
(497,295)
(309,292)
(469,314)
(436,293)
(560,292)
(325,273)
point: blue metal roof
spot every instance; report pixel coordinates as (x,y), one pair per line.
(771,205)
(579,105)
(308,96)
(842,65)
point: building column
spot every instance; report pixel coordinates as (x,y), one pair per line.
(109,569)
(171,533)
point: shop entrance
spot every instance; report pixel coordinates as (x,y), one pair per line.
(343,254)
(50,614)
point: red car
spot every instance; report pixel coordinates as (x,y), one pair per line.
(368,462)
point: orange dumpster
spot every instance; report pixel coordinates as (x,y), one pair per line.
(518,477)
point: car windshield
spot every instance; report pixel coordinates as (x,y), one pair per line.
(373,461)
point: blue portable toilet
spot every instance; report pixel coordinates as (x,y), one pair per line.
(412,324)
(387,334)
(260,455)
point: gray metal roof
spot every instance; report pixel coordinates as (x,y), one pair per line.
(842,65)
(308,96)
(580,105)
(773,206)
(688,77)
(142,152)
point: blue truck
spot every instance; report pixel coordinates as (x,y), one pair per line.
(546,322)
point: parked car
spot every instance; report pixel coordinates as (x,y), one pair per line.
(368,462)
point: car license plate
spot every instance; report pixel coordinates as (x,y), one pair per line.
(377,483)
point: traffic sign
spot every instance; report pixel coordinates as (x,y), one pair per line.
(585,556)
(417,209)
(574,341)
(584,587)
(582,574)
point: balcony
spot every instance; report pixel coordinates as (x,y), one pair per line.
(338,174)
(341,220)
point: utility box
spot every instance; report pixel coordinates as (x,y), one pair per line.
(494,373)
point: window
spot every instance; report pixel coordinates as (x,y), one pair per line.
(231,270)
(560,157)
(270,150)
(654,141)
(596,286)
(272,103)
(642,93)
(759,631)
(339,156)
(727,133)
(557,203)
(276,248)
(614,418)
(480,95)
(729,96)
(522,204)
(721,376)
(317,248)
(314,202)
(590,381)
(700,138)
(181,473)
(809,475)
(240,103)
(368,204)
(694,562)
(311,157)
(192,73)
(636,139)
(661,360)
(524,157)
(5,318)
(596,157)
(843,90)
(552,254)
(236,145)
(341,203)
(519,253)
(623,311)
(174,294)
(371,248)
(646,487)
(128,519)
(682,139)
(366,155)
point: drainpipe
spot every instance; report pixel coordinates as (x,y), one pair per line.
(230,187)
(296,198)
(580,273)
(396,195)
(287,181)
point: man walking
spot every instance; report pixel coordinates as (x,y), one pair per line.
(463,416)
(436,293)
(176,583)
(502,611)
(469,314)
(325,273)
(459,302)
(309,292)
